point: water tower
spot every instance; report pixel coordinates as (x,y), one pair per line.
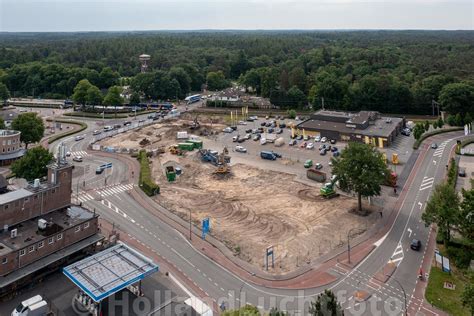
(144,58)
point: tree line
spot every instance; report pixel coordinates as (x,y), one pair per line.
(389,71)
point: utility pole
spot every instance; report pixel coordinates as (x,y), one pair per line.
(190,235)
(322,102)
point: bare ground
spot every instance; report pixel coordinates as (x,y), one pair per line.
(255,208)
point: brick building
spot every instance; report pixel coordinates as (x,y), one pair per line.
(10,146)
(365,126)
(41,227)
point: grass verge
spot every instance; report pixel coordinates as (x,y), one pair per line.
(444,299)
(145,180)
(82,125)
(436,132)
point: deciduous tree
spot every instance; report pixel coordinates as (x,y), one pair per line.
(326,304)
(360,168)
(113,97)
(4,93)
(33,164)
(31,127)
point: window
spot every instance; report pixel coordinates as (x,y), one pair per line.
(50,240)
(6,206)
(9,142)
(40,244)
(86,225)
(59,237)
(26,200)
(77,229)
(4,260)
(22,252)
(31,248)
(4,143)
(53,191)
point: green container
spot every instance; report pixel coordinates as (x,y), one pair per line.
(197,143)
(186,146)
(170,174)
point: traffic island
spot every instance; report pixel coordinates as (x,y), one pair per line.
(361,296)
(386,272)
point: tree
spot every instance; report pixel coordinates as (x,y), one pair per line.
(113,97)
(326,304)
(440,122)
(465,220)
(4,93)
(2,123)
(467,296)
(107,78)
(80,91)
(296,97)
(360,168)
(33,164)
(94,96)
(216,80)
(442,209)
(458,121)
(134,99)
(457,98)
(467,119)
(451,120)
(418,130)
(276,312)
(427,125)
(292,114)
(31,127)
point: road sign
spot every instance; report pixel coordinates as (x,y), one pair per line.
(206,227)
(269,253)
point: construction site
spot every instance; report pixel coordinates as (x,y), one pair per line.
(250,208)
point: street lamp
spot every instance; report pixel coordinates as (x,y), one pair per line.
(190,238)
(240,292)
(403,290)
(349,245)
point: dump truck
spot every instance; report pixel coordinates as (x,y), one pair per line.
(170,173)
(316,175)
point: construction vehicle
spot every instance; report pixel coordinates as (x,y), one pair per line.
(195,124)
(212,156)
(222,165)
(175,150)
(328,191)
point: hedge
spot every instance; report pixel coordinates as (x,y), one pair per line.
(452,173)
(95,115)
(56,137)
(436,132)
(145,181)
(463,144)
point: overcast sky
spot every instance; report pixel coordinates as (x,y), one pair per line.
(117,15)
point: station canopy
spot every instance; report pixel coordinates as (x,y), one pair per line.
(110,271)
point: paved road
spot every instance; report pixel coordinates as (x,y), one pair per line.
(221,285)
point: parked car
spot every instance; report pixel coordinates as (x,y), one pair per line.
(292,142)
(227,130)
(299,137)
(333,141)
(68,154)
(241,140)
(278,131)
(303,145)
(127,123)
(242,123)
(278,155)
(462,172)
(79,137)
(308,163)
(318,166)
(77,158)
(322,152)
(336,154)
(317,138)
(406,132)
(306,138)
(415,244)
(270,130)
(256,137)
(333,148)
(108,128)
(248,130)
(324,139)
(96,132)
(235,138)
(248,136)
(282,125)
(263,124)
(310,146)
(240,149)
(268,155)
(34,306)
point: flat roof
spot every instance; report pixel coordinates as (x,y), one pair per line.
(14,195)
(58,220)
(110,271)
(378,128)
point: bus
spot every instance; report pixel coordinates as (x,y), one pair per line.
(193,98)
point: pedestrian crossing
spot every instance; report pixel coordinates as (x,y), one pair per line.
(439,151)
(78,153)
(426,183)
(103,192)
(397,255)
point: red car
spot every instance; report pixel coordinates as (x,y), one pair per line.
(303,145)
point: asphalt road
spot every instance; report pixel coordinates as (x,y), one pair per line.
(223,286)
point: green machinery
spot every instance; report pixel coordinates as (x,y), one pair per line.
(328,191)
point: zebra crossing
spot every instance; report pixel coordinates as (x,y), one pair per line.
(103,192)
(426,183)
(439,151)
(397,255)
(78,153)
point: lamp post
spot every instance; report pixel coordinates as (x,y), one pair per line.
(240,293)
(349,245)
(190,238)
(403,290)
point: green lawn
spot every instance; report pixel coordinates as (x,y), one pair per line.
(446,300)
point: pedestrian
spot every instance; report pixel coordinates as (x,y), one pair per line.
(395,191)
(381,214)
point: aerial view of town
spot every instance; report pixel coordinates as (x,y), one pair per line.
(236,158)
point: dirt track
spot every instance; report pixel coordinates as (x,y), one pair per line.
(256,208)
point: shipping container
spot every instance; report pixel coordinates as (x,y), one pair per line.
(316,175)
(186,146)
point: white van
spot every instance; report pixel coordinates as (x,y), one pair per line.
(34,306)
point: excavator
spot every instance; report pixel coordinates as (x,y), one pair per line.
(195,124)
(222,162)
(328,190)
(174,150)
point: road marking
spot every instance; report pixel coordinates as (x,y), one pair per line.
(426,183)
(181,256)
(410,231)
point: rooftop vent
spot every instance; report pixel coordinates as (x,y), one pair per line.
(36,183)
(14,233)
(42,224)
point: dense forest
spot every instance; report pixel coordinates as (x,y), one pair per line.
(389,71)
